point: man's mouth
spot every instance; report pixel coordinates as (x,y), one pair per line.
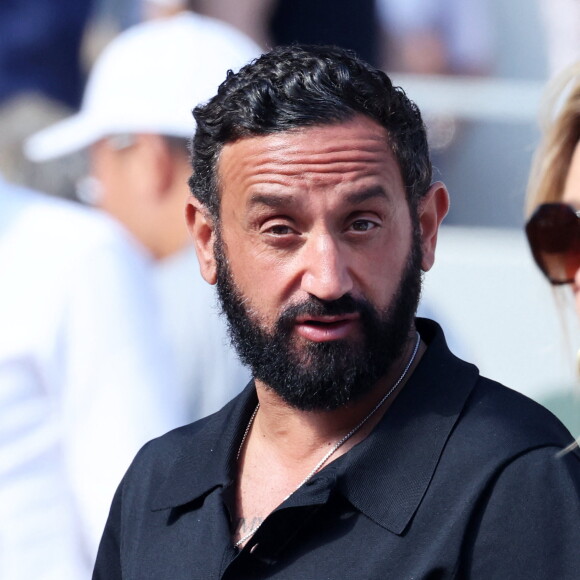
(326,328)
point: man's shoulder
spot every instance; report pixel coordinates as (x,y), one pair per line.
(506,423)
(163,451)
(192,441)
(490,416)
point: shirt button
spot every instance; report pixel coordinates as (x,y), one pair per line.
(253,548)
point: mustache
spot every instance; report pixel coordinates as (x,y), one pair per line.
(346,304)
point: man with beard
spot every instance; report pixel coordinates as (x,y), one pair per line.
(362,448)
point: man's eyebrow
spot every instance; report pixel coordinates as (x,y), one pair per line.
(270,200)
(361,196)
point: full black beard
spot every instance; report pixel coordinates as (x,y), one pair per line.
(327,375)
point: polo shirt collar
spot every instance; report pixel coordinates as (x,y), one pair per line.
(385,476)
(208,460)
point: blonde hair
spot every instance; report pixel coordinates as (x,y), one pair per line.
(560,125)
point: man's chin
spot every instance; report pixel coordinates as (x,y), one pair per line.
(311,355)
(310,395)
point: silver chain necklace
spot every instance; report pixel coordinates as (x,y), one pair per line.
(336,446)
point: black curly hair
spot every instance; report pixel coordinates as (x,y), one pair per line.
(299,86)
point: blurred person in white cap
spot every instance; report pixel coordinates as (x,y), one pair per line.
(84,379)
(136,121)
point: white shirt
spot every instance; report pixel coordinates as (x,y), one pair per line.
(84,380)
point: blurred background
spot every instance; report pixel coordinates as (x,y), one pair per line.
(477,70)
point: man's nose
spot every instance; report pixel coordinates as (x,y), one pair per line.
(326,273)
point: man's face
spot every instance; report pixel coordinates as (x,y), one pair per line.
(318,260)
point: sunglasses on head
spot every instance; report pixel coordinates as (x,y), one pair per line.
(553,232)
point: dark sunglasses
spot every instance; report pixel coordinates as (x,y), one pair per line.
(554,235)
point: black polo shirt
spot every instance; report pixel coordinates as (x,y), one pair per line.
(460,479)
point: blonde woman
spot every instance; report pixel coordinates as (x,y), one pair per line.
(553,227)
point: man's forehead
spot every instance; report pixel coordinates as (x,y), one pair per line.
(357,141)
(352,160)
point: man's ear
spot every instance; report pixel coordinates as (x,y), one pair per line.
(432,209)
(201,228)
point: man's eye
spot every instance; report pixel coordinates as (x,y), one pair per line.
(363,225)
(279,230)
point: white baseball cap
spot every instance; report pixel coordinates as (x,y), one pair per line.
(148,80)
